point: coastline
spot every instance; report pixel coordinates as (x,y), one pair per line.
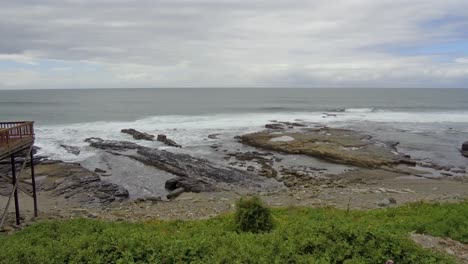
(282,178)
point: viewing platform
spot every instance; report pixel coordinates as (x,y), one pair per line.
(17,140)
(15,136)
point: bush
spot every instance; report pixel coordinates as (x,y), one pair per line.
(253,216)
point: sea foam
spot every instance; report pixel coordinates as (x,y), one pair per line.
(192,131)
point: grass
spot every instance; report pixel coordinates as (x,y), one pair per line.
(301,235)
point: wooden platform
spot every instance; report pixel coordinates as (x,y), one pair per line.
(15,136)
(17,139)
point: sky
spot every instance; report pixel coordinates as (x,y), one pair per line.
(67,44)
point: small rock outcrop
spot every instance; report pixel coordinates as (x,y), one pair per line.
(71,181)
(336,145)
(189,185)
(71,149)
(175,193)
(275,126)
(464,149)
(137,134)
(213,136)
(98,170)
(90,189)
(110,144)
(163,138)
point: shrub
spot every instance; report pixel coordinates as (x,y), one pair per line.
(253,216)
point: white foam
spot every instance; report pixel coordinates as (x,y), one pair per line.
(192,131)
(359,110)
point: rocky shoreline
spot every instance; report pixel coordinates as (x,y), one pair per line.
(287,164)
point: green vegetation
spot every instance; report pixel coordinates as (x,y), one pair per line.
(301,235)
(253,216)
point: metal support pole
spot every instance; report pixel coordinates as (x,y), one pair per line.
(13,177)
(33,181)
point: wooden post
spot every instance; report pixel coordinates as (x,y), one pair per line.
(33,181)
(13,177)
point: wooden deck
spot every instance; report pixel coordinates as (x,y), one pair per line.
(15,136)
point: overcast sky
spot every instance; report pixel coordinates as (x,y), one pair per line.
(238,43)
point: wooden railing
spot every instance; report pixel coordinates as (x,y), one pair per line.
(12,131)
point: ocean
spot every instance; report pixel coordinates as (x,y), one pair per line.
(430,124)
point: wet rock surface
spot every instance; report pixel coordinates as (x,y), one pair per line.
(72,181)
(275,126)
(69,181)
(465,146)
(336,145)
(464,149)
(71,149)
(111,144)
(163,138)
(190,185)
(137,134)
(198,174)
(89,189)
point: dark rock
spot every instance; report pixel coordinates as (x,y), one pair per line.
(111,144)
(274,126)
(71,149)
(408,162)
(464,149)
(87,188)
(35,149)
(465,146)
(213,136)
(98,170)
(163,138)
(250,168)
(298,124)
(175,193)
(187,166)
(48,162)
(293,124)
(137,134)
(171,184)
(202,171)
(189,185)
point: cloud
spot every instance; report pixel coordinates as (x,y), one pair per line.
(227,43)
(18,58)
